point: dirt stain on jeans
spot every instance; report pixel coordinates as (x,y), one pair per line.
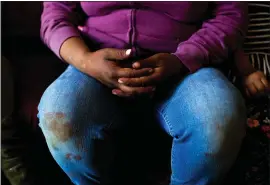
(77,157)
(68,156)
(59,126)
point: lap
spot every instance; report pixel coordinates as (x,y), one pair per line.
(75,97)
(78,116)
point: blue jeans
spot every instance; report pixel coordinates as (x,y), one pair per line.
(86,128)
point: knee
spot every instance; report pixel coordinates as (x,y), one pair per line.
(221,126)
(75,97)
(56,113)
(207,107)
(62,110)
(222,137)
(76,105)
(57,122)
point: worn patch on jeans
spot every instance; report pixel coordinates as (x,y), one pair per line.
(70,156)
(59,126)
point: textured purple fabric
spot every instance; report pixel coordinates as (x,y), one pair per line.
(182,28)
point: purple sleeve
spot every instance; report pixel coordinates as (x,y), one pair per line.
(58,23)
(218,36)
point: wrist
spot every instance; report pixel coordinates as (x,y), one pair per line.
(182,68)
(246,70)
(85,56)
(73,50)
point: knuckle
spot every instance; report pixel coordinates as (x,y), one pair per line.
(136,82)
(112,74)
(261,88)
(253,90)
(134,92)
(132,73)
(127,82)
(144,72)
(144,90)
(119,54)
(143,84)
(131,91)
(106,52)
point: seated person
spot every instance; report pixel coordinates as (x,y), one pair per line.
(162,50)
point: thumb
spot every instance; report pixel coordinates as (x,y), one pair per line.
(144,64)
(117,54)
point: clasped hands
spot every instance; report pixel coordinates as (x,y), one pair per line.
(140,78)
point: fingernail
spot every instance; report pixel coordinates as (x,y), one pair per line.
(114,92)
(150,70)
(120,81)
(136,65)
(153,89)
(80,28)
(128,52)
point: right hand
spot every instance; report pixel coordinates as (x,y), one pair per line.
(105,66)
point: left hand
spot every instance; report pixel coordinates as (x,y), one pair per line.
(256,84)
(164,65)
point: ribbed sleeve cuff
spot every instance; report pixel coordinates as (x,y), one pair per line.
(60,36)
(191,56)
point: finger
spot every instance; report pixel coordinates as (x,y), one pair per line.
(117,54)
(265,82)
(259,86)
(144,63)
(131,91)
(252,89)
(137,90)
(141,81)
(120,93)
(133,73)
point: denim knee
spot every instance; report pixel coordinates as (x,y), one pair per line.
(207,106)
(76,115)
(206,118)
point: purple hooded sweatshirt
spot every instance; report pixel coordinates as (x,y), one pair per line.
(198,33)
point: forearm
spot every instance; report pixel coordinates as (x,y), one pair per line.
(73,51)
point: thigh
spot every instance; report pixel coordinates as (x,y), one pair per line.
(80,118)
(205,115)
(203,96)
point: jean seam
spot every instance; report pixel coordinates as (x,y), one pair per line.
(167,122)
(172,158)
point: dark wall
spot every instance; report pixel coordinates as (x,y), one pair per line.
(21,18)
